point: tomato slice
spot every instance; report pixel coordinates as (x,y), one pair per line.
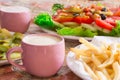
(111,21)
(87,20)
(103,24)
(63,17)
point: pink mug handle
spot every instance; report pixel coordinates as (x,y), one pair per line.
(18,49)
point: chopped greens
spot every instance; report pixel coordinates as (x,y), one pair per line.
(56,7)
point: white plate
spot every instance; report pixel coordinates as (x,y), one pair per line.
(66,37)
(76,66)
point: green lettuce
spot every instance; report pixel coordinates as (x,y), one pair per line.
(116,31)
(44,20)
(77,31)
(56,7)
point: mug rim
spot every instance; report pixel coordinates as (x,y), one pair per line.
(48,34)
(2,9)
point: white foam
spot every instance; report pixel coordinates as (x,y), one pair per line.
(14,9)
(41,40)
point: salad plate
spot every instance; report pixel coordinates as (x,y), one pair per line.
(8,40)
(76,21)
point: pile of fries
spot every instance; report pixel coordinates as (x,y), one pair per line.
(101,63)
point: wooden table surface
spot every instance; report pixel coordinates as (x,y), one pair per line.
(8,72)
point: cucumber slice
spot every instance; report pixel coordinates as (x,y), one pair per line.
(88,26)
(101,29)
(14,55)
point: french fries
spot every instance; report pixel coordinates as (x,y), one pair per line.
(100,63)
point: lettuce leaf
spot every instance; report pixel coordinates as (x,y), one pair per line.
(44,20)
(56,7)
(77,31)
(116,31)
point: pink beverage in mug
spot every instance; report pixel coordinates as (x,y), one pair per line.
(15,18)
(42,54)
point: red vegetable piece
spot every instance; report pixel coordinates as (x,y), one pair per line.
(87,20)
(103,24)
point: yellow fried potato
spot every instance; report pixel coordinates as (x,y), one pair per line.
(101,76)
(116,68)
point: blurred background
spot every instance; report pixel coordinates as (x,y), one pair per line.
(37,6)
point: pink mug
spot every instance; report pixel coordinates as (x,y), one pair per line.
(15,18)
(42,54)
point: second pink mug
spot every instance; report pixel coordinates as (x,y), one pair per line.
(15,18)
(42,54)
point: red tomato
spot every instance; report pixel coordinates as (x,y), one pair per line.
(103,24)
(111,21)
(63,17)
(79,20)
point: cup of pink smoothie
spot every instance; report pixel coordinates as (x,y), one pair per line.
(42,54)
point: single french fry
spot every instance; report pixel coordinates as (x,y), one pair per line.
(88,44)
(79,52)
(108,62)
(116,68)
(106,74)
(101,76)
(91,51)
(90,71)
(86,59)
(95,60)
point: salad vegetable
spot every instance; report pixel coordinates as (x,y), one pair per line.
(56,7)
(7,41)
(45,20)
(77,20)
